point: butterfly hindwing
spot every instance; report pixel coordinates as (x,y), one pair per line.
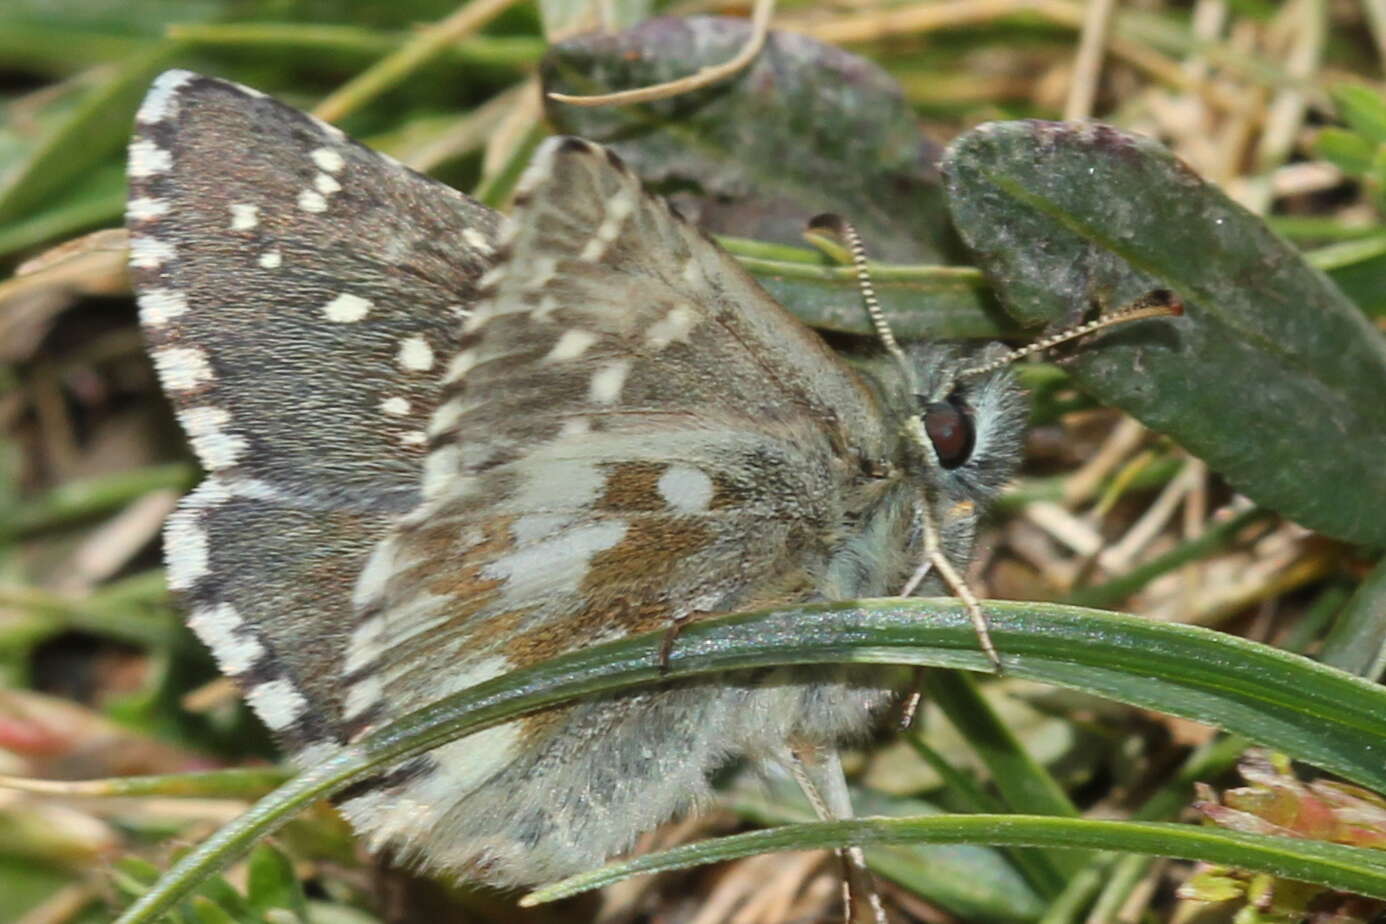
(300,293)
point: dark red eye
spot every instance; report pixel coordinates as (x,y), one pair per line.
(949,426)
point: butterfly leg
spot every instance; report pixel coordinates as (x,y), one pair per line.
(818,771)
(671,635)
(934,558)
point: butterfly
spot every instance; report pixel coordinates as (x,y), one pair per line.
(442,444)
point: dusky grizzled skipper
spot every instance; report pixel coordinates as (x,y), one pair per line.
(442,444)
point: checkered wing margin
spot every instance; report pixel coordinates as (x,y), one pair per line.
(300,294)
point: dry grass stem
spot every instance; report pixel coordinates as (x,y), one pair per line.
(705,77)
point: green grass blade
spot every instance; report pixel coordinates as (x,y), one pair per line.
(1348,869)
(1312,712)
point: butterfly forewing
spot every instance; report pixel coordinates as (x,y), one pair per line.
(608,307)
(300,294)
(627,412)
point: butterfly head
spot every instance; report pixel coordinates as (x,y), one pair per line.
(959,440)
(968,430)
(973,425)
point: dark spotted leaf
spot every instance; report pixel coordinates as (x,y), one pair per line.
(807,128)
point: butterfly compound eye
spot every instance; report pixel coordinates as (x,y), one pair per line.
(949,426)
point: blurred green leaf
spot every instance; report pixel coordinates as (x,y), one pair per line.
(807,128)
(1363,109)
(272,883)
(94,199)
(1357,642)
(133,875)
(207,911)
(1272,376)
(1348,151)
(93,123)
(1364,281)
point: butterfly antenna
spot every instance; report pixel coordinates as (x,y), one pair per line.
(844,229)
(933,558)
(1160,303)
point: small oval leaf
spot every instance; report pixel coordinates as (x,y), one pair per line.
(1272,376)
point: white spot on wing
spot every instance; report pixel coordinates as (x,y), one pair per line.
(347,308)
(271,259)
(673,326)
(328,160)
(545,268)
(491,277)
(316,753)
(328,129)
(146,209)
(571,345)
(414,438)
(161,101)
(182,368)
(415,354)
(244,216)
(221,629)
(592,251)
(608,381)
(691,273)
(440,470)
(395,407)
(364,645)
(215,447)
(556,564)
(147,159)
(277,703)
(478,240)
(445,417)
(362,695)
(536,526)
(618,210)
(310,200)
(685,488)
(150,252)
(375,576)
(325,184)
(185,548)
(159,306)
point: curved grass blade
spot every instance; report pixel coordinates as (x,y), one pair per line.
(1349,869)
(1272,376)
(974,882)
(1312,712)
